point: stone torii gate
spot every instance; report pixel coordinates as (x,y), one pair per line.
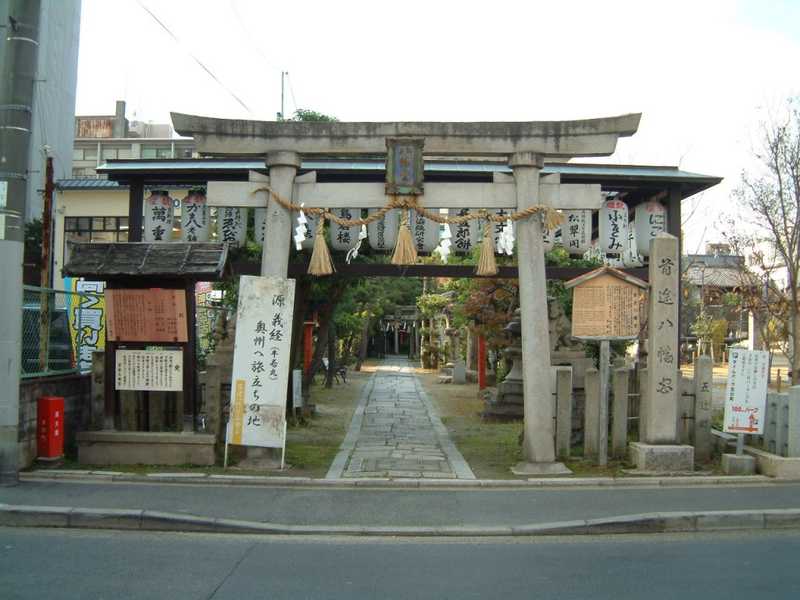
(525,145)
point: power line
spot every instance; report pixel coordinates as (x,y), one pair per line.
(197,60)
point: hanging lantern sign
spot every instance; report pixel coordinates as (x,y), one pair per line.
(576,232)
(260,220)
(344,238)
(231,225)
(424,231)
(465,235)
(630,257)
(382,234)
(158,217)
(498,229)
(651,219)
(548,239)
(194,216)
(614,261)
(613,226)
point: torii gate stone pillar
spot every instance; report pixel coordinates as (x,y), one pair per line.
(538,446)
(525,145)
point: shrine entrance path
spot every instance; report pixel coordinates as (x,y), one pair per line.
(396,432)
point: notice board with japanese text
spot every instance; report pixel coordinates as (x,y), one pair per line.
(147,315)
(261,362)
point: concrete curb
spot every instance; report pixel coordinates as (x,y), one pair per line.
(410,484)
(148,520)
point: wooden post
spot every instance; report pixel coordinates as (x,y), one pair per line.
(563,412)
(98,391)
(135,210)
(481,362)
(308,346)
(602,411)
(591,413)
(619,436)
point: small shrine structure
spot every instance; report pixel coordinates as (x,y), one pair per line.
(150,389)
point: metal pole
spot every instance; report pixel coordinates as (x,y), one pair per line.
(739,444)
(19,50)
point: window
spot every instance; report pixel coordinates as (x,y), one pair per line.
(109,153)
(95,229)
(82,172)
(156,152)
(90,153)
(77,154)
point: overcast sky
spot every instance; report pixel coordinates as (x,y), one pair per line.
(703,73)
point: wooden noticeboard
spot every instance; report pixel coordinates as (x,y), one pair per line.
(606,306)
(147,315)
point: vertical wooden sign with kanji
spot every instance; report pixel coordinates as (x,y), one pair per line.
(261,362)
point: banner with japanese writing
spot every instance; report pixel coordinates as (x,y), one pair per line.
(746,392)
(261,362)
(87,319)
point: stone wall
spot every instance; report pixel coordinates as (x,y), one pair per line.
(76,390)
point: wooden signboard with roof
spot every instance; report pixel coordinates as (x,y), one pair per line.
(606,306)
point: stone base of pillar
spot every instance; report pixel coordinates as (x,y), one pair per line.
(549,468)
(733,464)
(662,458)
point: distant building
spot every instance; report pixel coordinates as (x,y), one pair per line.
(99,138)
(54,97)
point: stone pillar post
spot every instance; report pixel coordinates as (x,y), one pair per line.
(659,450)
(275,254)
(538,441)
(619,436)
(396,339)
(662,342)
(703,382)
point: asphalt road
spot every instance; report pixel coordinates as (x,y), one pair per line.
(105,564)
(388,507)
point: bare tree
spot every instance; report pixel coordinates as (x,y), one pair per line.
(768,227)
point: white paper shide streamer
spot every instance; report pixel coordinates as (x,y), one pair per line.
(443,249)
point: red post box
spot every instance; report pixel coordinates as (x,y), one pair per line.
(50,427)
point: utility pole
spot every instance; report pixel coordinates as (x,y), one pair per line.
(19,51)
(283,78)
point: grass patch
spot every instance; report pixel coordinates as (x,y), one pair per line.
(490,448)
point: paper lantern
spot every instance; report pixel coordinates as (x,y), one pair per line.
(382,234)
(651,219)
(231,225)
(613,226)
(194,217)
(344,238)
(576,231)
(424,231)
(159,212)
(465,235)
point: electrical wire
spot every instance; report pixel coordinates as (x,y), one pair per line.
(197,60)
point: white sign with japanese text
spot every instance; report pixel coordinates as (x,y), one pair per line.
(261,362)
(149,370)
(746,393)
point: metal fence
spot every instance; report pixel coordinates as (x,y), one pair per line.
(60,330)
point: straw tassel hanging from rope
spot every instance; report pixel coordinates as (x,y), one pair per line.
(321,262)
(487,265)
(404,252)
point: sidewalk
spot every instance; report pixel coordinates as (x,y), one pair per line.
(371,510)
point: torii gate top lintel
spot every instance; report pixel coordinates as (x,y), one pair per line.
(565,139)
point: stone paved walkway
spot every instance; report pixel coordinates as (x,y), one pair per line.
(396,432)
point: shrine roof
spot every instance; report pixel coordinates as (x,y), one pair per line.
(201,261)
(606,271)
(172,172)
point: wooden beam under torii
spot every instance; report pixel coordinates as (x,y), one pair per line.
(524,145)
